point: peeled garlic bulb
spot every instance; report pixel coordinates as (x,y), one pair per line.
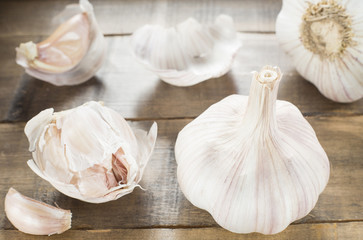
(324,39)
(89,152)
(71,55)
(188,53)
(34,217)
(253,163)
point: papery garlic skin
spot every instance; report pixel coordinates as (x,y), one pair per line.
(71,55)
(332,59)
(188,53)
(253,163)
(89,152)
(34,217)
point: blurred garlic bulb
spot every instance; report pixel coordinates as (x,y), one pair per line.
(325,40)
(71,55)
(188,53)
(89,152)
(253,163)
(34,217)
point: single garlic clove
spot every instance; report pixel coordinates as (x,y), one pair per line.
(89,152)
(188,53)
(323,39)
(71,55)
(254,163)
(34,217)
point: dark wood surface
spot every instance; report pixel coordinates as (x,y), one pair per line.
(162,212)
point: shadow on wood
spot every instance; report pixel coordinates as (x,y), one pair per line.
(190,100)
(31,88)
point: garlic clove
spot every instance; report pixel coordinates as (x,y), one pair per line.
(65,48)
(89,152)
(188,53)
(323,39)
(254,163)
(71,55)
(34,217)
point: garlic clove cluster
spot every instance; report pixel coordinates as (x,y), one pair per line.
(324,40)
(254,163)
(89,152)
(34,217)
(188,53)
(71,55)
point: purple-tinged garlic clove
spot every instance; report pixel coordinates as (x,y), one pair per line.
(34,217)
(71,55)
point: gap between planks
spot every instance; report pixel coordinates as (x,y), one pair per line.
(306,115)
(196,226)
(118,34)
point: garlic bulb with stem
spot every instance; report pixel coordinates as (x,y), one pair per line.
(71,55)
(89,152)
(188,53)
(34,217)
(254,163)
(324,40)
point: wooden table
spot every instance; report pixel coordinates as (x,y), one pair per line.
(162,212)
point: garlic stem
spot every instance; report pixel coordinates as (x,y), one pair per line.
(261,108)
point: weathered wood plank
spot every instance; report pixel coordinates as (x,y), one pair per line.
(29,17)
(163,204)
(123,84)
(11,75)
(328,231)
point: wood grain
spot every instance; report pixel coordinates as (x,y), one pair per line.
(24,17)
(163,204)
(126,86)
(162,211)
(324,231)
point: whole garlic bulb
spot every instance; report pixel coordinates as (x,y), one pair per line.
(71,55)
(188,53)
(253,163)
(324,39)
(89,152)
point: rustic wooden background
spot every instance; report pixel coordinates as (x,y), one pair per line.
(162,212)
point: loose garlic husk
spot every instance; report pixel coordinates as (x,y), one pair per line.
(253,163)
(324,39)
(188,53)
(89,152)
(34,217)
(71,55)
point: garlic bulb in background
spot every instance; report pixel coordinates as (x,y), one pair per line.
(253,163)
(71,55)
(325,41)
(34,217)
(89,152)
(188,53)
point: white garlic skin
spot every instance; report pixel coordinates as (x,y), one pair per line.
(188,53)
(34,217)
(253,163)
(88,61)
(339,79)
(89,153)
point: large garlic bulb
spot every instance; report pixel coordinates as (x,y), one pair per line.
(188,53)
(253,163)
(325,40)
(71,55)
(89,152)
